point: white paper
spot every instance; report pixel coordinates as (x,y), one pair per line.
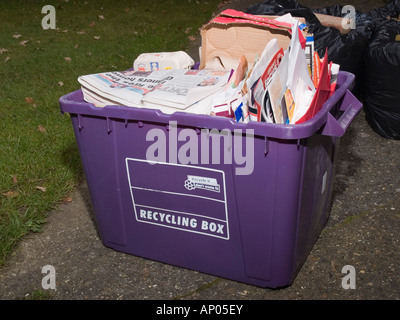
(299,80)
(163,61)
(276,90)
(269,51)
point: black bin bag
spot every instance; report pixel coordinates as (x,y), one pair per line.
(382,80)
(390,10)
(347,50)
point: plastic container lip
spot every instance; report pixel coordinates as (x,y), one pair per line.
(73,103)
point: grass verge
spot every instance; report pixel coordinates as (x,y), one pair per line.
(39,160)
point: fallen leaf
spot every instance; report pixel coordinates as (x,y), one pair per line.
(16,36)
(92,24)
(29,100)
(6,59)
(43,189)
(101,17)
(68,59)
(23,42)
(65,31)
(68,199)
(192,38)
(60,83)
(10,194)
(80,32)
(14,178)
(187,31)
(96,37)
(2,50)
(41,128)
(76,46)
(126,10)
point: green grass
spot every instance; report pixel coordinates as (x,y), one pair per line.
(38,294)
(37,145)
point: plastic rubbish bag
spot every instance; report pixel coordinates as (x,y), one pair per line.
(381,81)
(391,10)
(274,7)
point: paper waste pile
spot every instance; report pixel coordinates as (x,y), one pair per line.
(284,81)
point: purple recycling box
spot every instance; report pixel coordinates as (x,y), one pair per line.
(240,201)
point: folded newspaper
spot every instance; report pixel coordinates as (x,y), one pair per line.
(165,90)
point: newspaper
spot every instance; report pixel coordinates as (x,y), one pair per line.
(166,90)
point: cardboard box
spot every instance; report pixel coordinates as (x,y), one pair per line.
(233,33)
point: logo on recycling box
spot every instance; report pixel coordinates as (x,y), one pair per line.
(195,182)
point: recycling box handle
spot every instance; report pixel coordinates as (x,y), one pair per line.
(337,127)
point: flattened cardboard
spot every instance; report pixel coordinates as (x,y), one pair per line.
(230,37)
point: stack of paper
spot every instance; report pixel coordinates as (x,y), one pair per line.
(166,90)
(283,86)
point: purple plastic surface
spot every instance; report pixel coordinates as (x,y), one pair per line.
(257,228)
